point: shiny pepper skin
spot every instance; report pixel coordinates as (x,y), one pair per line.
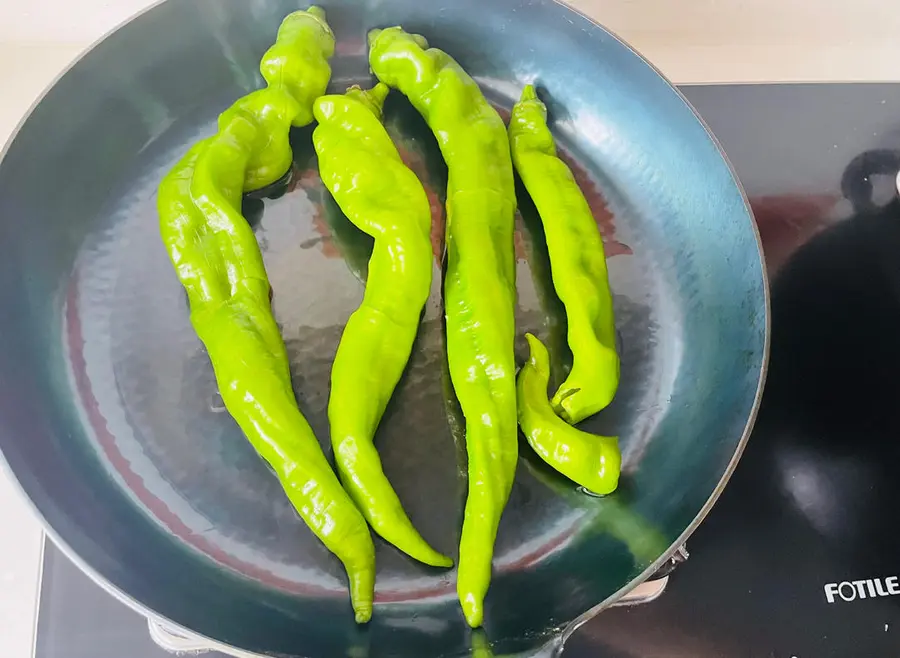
(362,169)
(218,261)
(479,283)
(297,72)
(587,459)
(577,262)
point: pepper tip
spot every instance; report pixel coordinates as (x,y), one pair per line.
(474,616)
(442,561)
(529,93)
(535,346)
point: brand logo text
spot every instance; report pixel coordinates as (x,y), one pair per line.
(851,590)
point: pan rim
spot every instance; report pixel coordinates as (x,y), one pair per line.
(558,640)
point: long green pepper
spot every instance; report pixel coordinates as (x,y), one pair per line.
(479,284)
(577,262)
(297,72)
(218,261)
(362,169)
(590,460)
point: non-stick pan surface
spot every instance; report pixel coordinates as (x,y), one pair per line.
(109,415)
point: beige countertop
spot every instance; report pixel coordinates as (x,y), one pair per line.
(696,41)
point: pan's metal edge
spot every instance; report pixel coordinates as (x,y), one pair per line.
(6,469)
(39,586)
(189,643)
(59,76)
(751,420)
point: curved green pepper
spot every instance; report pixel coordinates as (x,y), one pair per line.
(297,72)
(362,169)
(479,282)
(577,262)
(590,460)
(218,261)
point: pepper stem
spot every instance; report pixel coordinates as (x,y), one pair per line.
(372,98)
(529,93)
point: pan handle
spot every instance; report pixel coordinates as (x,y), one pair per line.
(180,643)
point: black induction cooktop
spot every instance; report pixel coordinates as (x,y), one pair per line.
(801,555)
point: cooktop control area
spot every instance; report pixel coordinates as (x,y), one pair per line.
(801,555)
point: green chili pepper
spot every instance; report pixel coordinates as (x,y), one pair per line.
(297,72)
(218,261)
(577,262)
(479,282)
(590,460)
(361,167)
